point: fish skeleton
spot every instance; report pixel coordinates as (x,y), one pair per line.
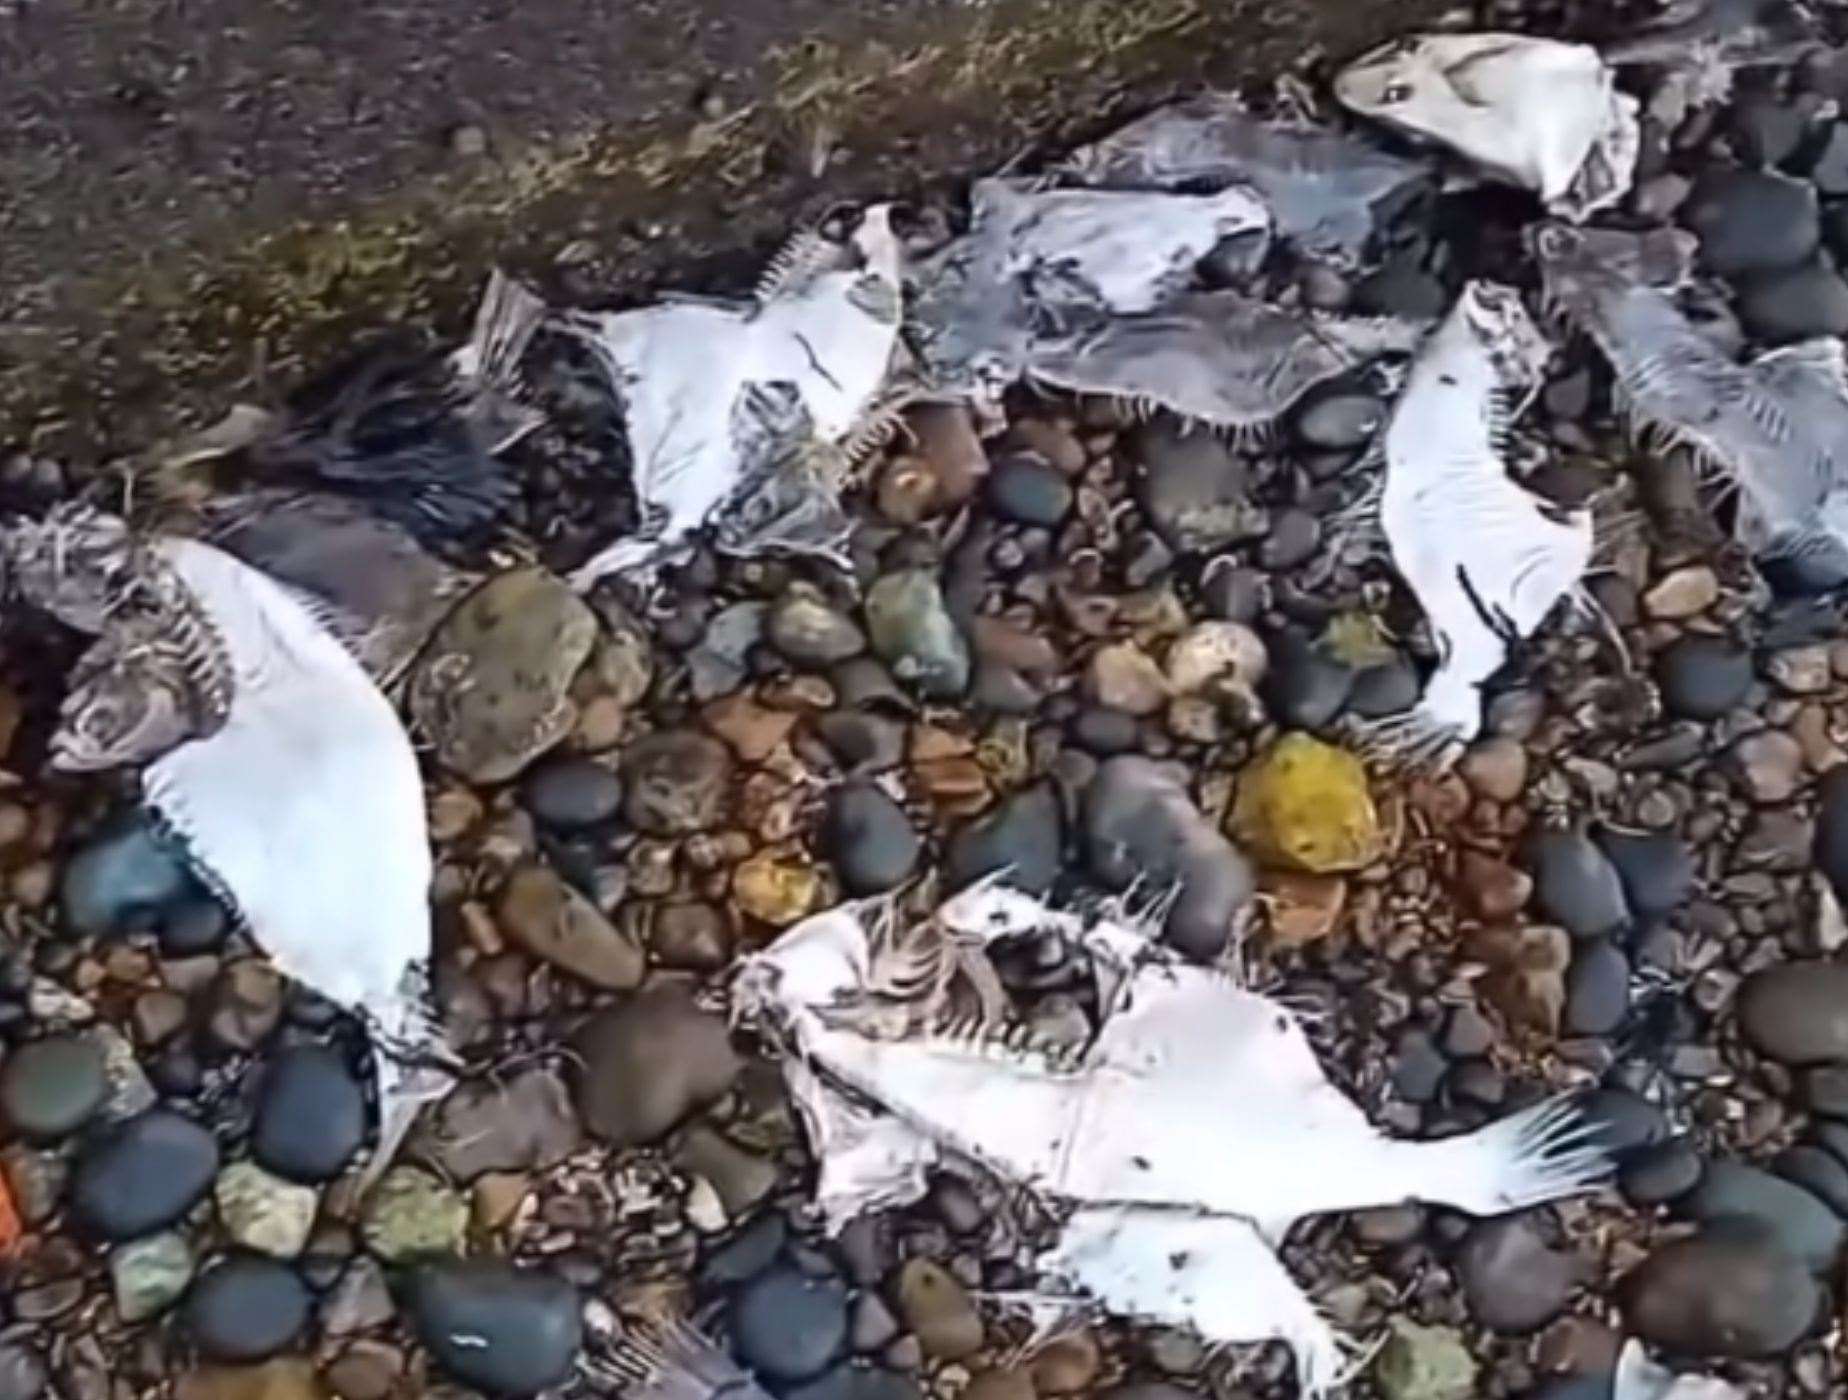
(1774,427)
(1188,1136)
(1487,559)
(716,395)
(1221,359)
(1327,192)
(300,805)
(1536,113)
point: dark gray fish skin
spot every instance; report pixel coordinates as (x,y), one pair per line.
(1329,193)
(379,590)
(1776,425)
(1220,359)
(1733,33)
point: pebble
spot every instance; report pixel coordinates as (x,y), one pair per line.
(285,1378)
(1424,1363)
(1496,769)
(742,1179)
(551,920)
(359,1300)
(1339,419)
(123,880)
(1660,1173)
(1818,1173)
(246,1308)
(862,742)
(1685,593)
(1783,1213)
(1769,765)
(1751,220)
(1793,1012)
(365,1371)
(1304,688)
(505,1331)
(1194,491)
(1575,886)
(1656,868)
(1291,540)
(753,731)
(1597,988)
(936,1307)
(849,1381)
(50,1088)
(1139,823)
(869,840)
(1066,1365)
(311,1115)
(492,689)
(1512,1280)
(148,1276)
(1825,1091)
(1024,836)
(677,781)
(789,1326)
(1719,1296)
(22,1373)
(1798,303)
(773,890)
(141,1175)
(1233,594)
(810,632)
(1123,677)
(648,1062)
(1625,1121)
(1002,1383)
(245,1004)
(1831,844)
(1389,688)
(411,1214)
(569,794)
(521,1123)
(1028,490)
(1306,805)
(913,633)
(1494,889)
(193,925)
(265,1213)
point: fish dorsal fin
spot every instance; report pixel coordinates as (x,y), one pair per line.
(806,254)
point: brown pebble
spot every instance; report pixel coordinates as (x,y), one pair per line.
(1002,1383)
(286,1378)
(947,440)
(1303,908)
(1495,889)
(1496,769)
(1682,594)
(1066,1365)
(752,730)
(937,1309)
(907,491)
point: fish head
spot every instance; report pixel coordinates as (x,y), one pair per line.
(1581,267)
(74,563)
(1399,77)
(1496,319)
(131,700)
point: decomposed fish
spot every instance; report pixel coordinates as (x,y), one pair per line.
(1775,427)
(1487,559)
(298,799)
(1186,1138)
(1537,113)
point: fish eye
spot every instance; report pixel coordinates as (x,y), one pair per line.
(1396,92)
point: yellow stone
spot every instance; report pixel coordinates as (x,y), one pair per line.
(1305,805)
(776,891)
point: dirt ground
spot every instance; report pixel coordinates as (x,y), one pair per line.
(197,197)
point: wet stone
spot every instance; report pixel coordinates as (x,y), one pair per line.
(22,1373)
(245,1004)
(1783,1213)
(506,1331)
(1575,885)
(245,1308)
(1387,689)
(1660,1173)
(748,1253)
(938,1310)
(1291,540)
(1721,1296)
(1624,1121)
(869,840)
(1512,1280)
(264,1213)
(149,1275)
(913,633)
(123,879)
(410,1214)
(51,1087)
(285,1378)
(677,781)
(553,921)
(572,793)
(135,1177)
(647,1063)
(311,1115)
(789,1326)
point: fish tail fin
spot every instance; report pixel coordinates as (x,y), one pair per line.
(411,1067)
(1546,1152)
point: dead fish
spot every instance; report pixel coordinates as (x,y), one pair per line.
(1188,1136)
(1037,259)
(416,435)
(1487,559)
(1536,113)
(1775,427)
(1328,193)
(1222,360)
(335,890)
(716,395)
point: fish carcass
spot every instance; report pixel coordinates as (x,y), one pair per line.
(1184,1139)
(721,397)
(1537,113)
(295,793)
(1486,558)
(1774,427)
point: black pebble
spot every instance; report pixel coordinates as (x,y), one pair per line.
(869,840)
(1660,1173)
(1656,868)
(193,926)
(1028,490)
(1825,1090)
(1624,1120)
(1575,885)
(1024,836)
(311,1115)
(1304,688)
(1831,845)
(1818,1173)
(246,1308)
(138,1176)
(1418,1067)
(568,794)
(1751,220)
(1597,988)
(1389,688)
(505,1331)
(1105,732)
(1703,678)
(787,1325)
